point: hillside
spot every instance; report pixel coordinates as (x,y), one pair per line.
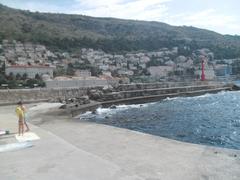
(71,32)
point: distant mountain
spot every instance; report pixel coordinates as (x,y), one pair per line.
(70,32)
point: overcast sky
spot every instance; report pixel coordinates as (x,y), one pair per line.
(218,15)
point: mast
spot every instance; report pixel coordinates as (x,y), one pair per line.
(203,74)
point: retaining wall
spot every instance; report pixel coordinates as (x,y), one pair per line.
(126,91)
(31,95)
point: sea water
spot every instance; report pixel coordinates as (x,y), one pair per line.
(210,119)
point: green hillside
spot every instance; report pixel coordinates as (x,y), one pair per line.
(71,32)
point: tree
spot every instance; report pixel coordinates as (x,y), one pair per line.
(42,83)
(146,72)
(3,79)
(70,69)
(18,76)
(37,76)
(11,76)
(2,69)
(24,76)
(12,84)
(190,71)
(59,72)
(31,82)
(95,71)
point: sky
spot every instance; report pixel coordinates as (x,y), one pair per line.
(218,15)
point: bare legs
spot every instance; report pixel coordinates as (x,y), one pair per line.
(25,123)
(20,127)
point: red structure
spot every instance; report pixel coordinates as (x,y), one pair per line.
(203,74)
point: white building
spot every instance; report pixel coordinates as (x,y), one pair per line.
(107,73)
(31,71)
(160,71)
(74,82)
(104,67)
(125,72)
(83,73)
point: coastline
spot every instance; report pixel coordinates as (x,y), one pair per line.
(140,99)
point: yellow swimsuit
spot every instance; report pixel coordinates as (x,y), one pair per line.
(19,112)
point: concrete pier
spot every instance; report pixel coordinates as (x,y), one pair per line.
(71,149)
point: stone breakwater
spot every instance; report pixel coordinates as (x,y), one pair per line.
(122,93)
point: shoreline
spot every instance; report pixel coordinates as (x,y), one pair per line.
(140,100)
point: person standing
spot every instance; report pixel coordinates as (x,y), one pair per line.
(24,116)
(20,115)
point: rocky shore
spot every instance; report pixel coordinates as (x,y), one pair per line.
(129,94)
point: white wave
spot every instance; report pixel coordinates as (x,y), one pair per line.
(172,98)
(123,107)
(184,98)
(86,113)
(207,95)
(110,111)
(201,96)
(102,112)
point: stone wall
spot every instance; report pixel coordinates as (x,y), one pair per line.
(75,83)
(138,86)
(126,91)
(28,95)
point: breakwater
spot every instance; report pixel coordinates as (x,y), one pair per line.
(129,95)
(107,95)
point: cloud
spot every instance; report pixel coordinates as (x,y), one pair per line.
(208,19)
(41,6)
(158,10)
(135,9)
(216,19)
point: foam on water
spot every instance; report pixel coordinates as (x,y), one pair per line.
(211,119)
(103,112)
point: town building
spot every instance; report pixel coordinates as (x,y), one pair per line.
(75,82)
(83,73)
(223,70)
(31,71)
(160,71)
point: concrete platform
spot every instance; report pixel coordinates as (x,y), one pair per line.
(70,149)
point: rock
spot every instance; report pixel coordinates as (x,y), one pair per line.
(107,89)
(94,112)
(84,99)
(235,88)
(59,100)
(113,107)
(112,96)
(70,100)
(95,94)
(63,106)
